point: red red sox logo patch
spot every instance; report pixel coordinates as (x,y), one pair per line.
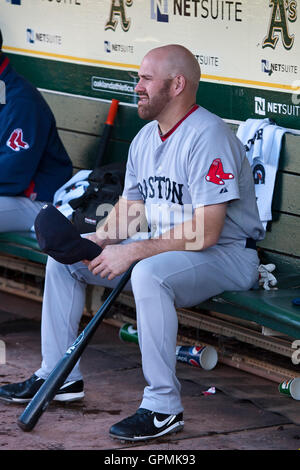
(216,173)
(16,142)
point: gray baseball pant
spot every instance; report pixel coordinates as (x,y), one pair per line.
(18,213)
(159,284)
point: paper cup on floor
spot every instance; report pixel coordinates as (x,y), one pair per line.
(128,333)
(199,356)
(290,388)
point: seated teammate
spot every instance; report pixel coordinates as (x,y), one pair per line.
(33,160)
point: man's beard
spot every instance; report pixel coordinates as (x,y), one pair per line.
(156,104)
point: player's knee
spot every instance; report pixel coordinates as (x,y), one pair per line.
(51,265)
(146,278)
(141,274)
(54,269)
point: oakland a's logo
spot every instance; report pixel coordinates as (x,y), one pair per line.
(282,12)
(118,9)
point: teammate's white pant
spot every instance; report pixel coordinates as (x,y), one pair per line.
(174,278)
(18,213)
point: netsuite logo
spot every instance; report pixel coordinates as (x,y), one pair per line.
(260,106)
(112,47)
(159,10)
(264,107)
(270,68)
(107,46)
(30,35)
(52,39)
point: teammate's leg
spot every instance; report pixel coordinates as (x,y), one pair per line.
(18,213)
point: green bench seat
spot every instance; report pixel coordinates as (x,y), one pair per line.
(269,308)
(23,245)
(273,309)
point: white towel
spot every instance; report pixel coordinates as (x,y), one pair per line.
(72,189)
(262,139)
(249,133)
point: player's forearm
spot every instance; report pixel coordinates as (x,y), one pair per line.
(196,234)
(145,248)
(180,238)
(123,221)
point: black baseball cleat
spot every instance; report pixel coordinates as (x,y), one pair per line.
(145,425)
(23,392)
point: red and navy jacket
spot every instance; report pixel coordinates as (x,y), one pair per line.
(33,160)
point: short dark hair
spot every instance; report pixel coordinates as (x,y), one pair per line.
(1,40)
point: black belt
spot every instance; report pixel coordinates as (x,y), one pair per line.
(250,243)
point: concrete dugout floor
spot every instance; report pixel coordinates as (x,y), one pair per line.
(113,389)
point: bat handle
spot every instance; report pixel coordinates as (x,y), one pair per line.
(112,112)
(107,131)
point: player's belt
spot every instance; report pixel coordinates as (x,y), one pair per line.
(250,243)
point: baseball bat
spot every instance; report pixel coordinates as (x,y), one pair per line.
(57,377)
(107,131)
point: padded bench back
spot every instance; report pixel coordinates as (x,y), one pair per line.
(80,123)
(282,241)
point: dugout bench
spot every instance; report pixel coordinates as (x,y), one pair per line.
(80,122)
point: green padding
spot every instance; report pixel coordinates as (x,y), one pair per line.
(23,252)
(23,245)
(273,309)
(23,238)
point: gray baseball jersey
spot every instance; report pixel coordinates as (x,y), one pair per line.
(198,162)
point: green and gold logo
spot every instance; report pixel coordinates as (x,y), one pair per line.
(283,11)
(118,10)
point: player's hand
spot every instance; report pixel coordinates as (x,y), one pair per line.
(113,261)
(94,238)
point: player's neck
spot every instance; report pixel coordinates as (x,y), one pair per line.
(172,117)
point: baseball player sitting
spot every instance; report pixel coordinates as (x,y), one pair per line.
(33,161)
(187,174)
